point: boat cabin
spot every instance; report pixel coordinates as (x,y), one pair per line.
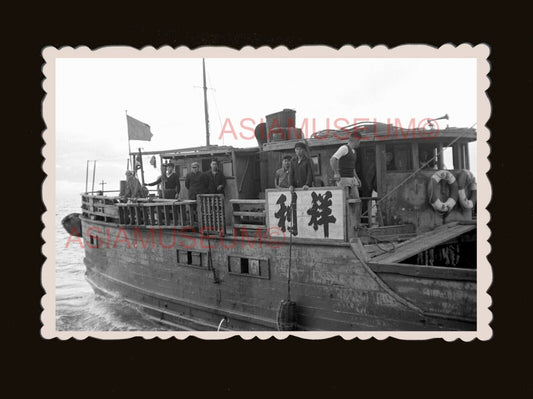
(394,165)
(406,187)
(240,166)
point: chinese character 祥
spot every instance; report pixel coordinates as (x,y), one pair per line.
(287,214)
(321,212)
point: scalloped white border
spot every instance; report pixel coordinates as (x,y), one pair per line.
(480,52)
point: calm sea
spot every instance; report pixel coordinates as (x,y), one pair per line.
(78,308)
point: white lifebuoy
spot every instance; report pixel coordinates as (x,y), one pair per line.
(465,179)
(434,190)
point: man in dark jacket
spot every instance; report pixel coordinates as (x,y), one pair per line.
(170,183)
(301,169)
(281,177)
(216,180)
(196,182)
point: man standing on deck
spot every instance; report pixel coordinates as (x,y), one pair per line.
(216,180)
(170,182)
(344,173)
(134,189)
(281,178)
(301,169)
(196,182)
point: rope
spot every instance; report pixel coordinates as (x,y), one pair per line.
(286,307)
(291,231)
(416,171)
(387,241)
(290,264)
(221,321)
(216,280)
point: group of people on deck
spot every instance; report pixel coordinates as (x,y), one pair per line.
(297,171)
(197,182)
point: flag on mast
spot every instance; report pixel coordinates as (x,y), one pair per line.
(138,130)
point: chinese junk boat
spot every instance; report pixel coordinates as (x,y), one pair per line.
(402,257)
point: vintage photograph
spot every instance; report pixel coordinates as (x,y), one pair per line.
(265,192)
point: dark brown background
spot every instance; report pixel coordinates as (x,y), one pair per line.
(333,367)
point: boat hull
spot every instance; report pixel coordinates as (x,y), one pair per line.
(239,283)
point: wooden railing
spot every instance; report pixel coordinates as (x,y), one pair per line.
(99,207)
(140,212)
(211,214)
(207,214)
(248,214)
(160,212)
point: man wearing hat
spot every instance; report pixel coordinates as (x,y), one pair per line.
(170,183)
(301,168)
(196,182)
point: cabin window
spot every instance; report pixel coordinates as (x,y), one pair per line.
(191,258)
(315,159)
(183,169)
(425,154)
(94,241)
(245,266)
(227,169)
(398,158)
(205,164)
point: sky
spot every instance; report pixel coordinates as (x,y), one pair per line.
(94,94)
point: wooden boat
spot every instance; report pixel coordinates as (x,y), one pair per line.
(234,261)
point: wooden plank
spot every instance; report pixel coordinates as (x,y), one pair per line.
(353,200)
(121,215)
(160,216)
(175,215)
(138,214)
(466,157)
(432,272)
(152,215)
(250,226)
(181,214)
(96,213)
(424,241)
(247,201)
(146,215)
(168,222)
(249,213)
(131,211)
(380,169)
(456,148)
(386,237)
(440,158)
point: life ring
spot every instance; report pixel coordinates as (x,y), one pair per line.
(465,179)
(434,191)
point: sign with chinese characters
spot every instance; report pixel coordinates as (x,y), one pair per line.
(314,213)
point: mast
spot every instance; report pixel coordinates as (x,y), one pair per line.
(205,107)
